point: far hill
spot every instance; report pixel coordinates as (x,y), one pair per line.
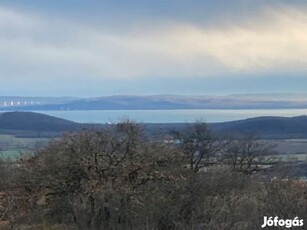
(18,101)
(167,102)
(33,123)
(36,124)
(268,127)
(265,127)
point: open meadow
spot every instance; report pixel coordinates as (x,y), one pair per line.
(11,146)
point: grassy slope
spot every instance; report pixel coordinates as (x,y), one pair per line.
(28,121)
(11,146)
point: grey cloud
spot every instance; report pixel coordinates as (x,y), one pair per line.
(179,45)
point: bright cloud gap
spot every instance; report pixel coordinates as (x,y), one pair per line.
(35,46)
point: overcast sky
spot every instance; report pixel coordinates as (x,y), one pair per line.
(99,47)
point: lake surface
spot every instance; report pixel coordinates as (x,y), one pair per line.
(169,116)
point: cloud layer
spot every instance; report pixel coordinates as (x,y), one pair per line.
(33,46)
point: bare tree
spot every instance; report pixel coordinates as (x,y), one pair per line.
(100,178)
(114,178)
(248,154)
(200,145)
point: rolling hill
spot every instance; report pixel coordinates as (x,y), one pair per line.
(265,127)
(268,127)
(29,123)
(33,123)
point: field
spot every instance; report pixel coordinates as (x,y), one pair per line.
(293,146)
(286,150)
(11,146)
(290,157)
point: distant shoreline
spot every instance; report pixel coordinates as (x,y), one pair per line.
(156,102)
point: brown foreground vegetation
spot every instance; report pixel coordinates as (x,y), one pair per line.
(114,178)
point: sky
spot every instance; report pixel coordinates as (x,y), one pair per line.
(92,48)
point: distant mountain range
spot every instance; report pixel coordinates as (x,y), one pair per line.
(35,124)
(156,102)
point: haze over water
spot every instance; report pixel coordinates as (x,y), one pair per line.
(169,116)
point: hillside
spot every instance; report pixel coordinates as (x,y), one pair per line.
(17,122)
(265,127)
(269,127)
(29,123)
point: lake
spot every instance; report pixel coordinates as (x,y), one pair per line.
(169,116)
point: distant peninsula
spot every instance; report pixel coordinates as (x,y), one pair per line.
(156,102)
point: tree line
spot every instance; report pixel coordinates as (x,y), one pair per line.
(117,178)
